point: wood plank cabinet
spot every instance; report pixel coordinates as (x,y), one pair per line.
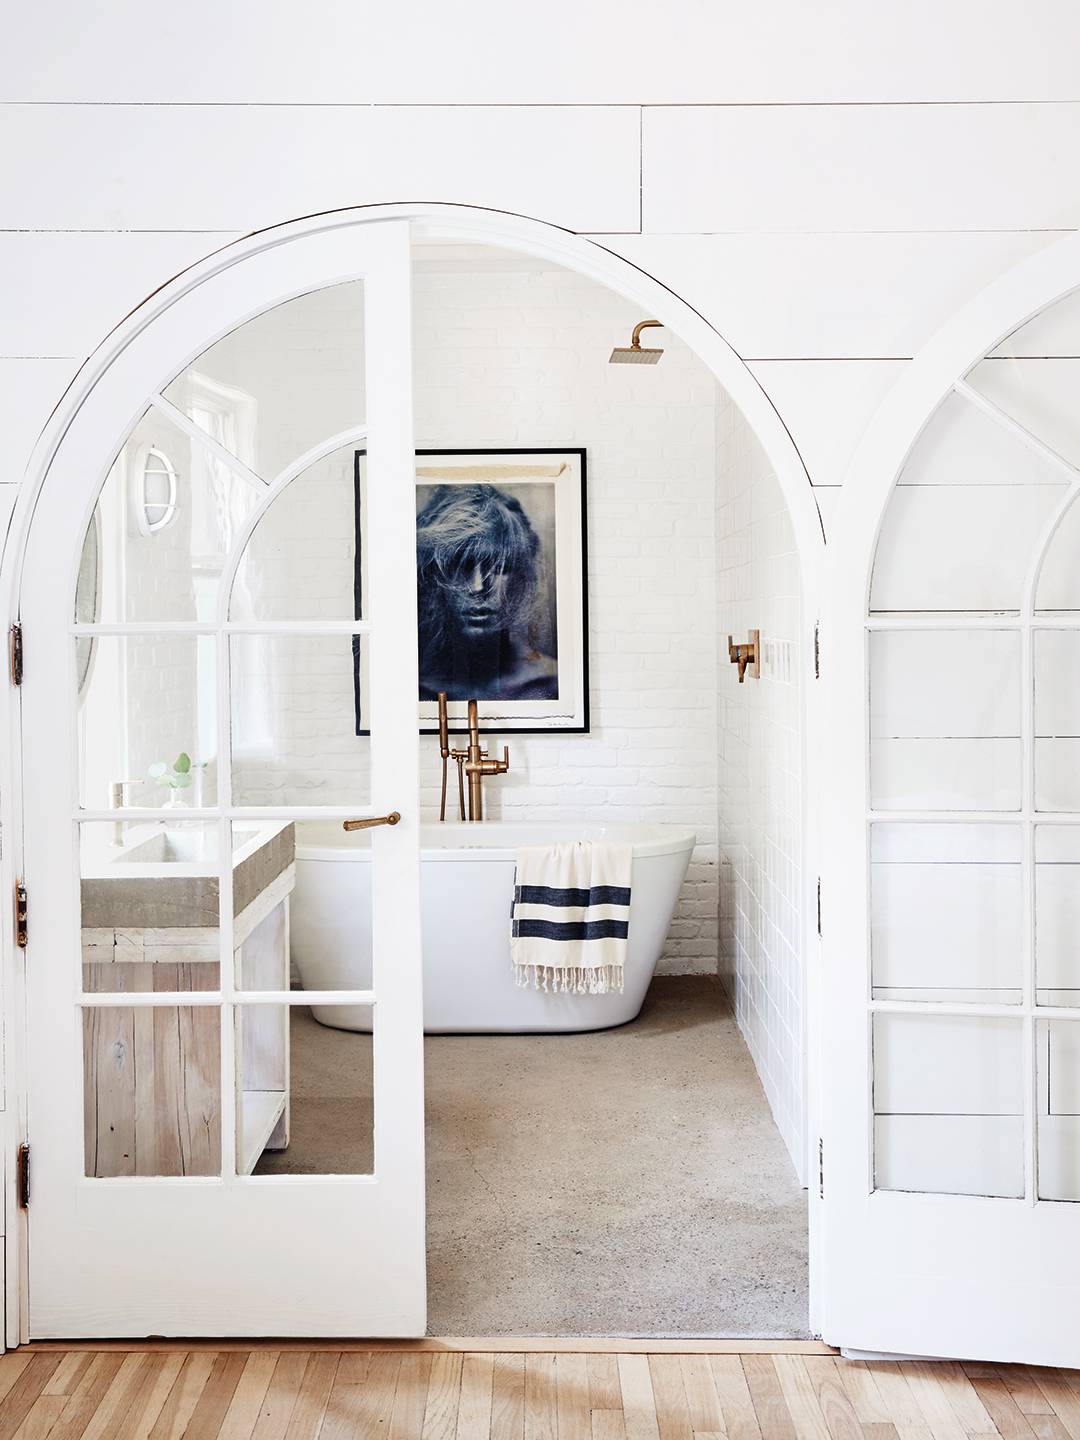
(152,1074)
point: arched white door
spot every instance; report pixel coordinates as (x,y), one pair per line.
(199,616)
(951,884)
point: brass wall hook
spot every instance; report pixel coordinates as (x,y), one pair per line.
(745,656)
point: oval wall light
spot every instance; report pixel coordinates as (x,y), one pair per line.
(154,490)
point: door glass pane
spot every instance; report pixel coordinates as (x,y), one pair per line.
(1059,578)
(945,719)
(152,1090)
(298,703)
(1039,393)
(330,908)
(946,913)
(263,878)
(1056,331)
(147,719)
(966,476)
(282,382)
(302,561)
(948,1104)
(1059,1110)
(150,915)
(327,1104)
(166,518)
(1057,914)
(1057,719)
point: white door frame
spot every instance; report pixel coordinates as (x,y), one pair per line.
(853,1237)
(443,222)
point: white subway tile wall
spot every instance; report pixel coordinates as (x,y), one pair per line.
(759,781)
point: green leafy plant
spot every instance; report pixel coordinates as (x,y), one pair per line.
(180,776)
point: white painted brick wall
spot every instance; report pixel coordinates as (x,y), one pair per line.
(758,728)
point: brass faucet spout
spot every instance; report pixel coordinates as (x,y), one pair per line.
(477,765)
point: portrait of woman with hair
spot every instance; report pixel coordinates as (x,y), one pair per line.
(486,605)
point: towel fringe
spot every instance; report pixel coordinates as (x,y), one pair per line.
(571,979)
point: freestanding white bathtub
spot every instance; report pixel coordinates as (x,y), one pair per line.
(467,880)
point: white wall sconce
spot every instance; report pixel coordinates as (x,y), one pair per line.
(155,488)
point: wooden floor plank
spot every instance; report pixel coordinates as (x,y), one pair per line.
(541,1398)
(1025,1392)
(770,1407)
(928,1382)
(801,1397)
(362,1410)
(899,1401)
(964,1399)
(1062,1397)
(1008,1418)
(127,1387)
(66,1376)
(246,1404)
(736,1405)
(147,1401)
(12,1366)
(85,1398)
(669,1393)
(572,1397)
(44,1413)
(310,1408)
(466,1345)
(604,1390)
(862,1390)
(1047,1427)
(607,1424)
(261,1394)
(886,1431)
(27,1386)
(638,1401)
(280,1398)
(508,1398)
(706,1416)
(474,1410)
(840,1417)
(172,1422)
(410,1397)
(441,1408)
(216,1397)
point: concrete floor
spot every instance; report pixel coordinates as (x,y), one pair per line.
(624,1182)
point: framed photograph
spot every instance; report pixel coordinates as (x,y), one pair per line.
(501,588)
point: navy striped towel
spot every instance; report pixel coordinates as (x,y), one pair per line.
(569,918)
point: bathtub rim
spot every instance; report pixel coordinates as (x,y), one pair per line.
(657,839)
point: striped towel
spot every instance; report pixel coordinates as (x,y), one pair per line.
(569,918)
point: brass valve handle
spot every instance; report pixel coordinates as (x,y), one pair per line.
(496,767)
(391,819)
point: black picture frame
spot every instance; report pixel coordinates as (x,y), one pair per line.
(546,489)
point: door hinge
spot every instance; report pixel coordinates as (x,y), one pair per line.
(819,907)
(16,654)
(821,1168)
(817,655)
(20,914)
(24,1177)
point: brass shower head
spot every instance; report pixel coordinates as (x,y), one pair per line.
(635,355)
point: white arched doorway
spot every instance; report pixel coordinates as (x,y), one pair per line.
(950,958)
(135,367)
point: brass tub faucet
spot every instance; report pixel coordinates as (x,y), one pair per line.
(472,762)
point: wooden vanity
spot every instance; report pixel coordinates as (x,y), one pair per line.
(152,1075)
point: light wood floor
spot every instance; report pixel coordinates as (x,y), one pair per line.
(175,1392)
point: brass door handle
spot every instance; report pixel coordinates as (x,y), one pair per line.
(391,819)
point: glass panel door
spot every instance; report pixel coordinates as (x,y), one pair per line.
(227,1136)
(951,1122)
